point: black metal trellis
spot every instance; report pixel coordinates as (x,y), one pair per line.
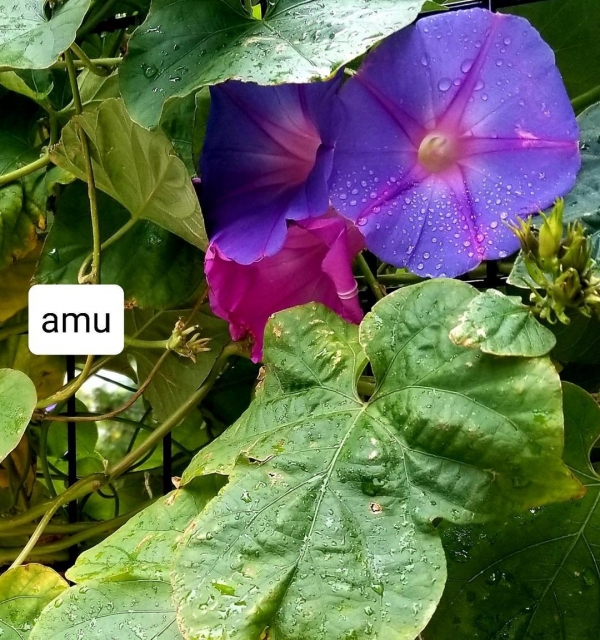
(491,279)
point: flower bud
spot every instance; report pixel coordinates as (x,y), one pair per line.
(551,232)
(577,250)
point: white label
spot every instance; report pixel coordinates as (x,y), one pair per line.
(77,320)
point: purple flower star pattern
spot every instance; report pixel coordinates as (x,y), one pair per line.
(453,126)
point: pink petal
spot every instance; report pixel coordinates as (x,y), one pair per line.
(314,265)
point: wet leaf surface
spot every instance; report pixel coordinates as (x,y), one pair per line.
(535,576)
(17,401)
(184,45)
(324,530)
(502,326)
(143,548)
(24,592)
(125,610)
(28,40)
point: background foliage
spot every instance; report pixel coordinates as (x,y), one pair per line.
(400,479)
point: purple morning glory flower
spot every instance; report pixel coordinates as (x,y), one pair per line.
(267,159)
(453,126)
(314,265)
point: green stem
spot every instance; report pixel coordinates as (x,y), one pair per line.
(91,483)
(89,64)
(59,529)
(117,235)
(94,276)
(370,278)
(504,268)
(178,415)
(11,176)
(146,344)
(68,390)
(115,412)
(15,330)
(54,128)
(95,530)
(80,488)
(586,99)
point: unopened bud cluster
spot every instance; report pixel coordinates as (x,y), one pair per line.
(562,268)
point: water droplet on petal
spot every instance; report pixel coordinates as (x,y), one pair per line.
(465,67)
(444,84)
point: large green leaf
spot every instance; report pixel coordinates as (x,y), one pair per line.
(17,402)
(571,28)
(144,547)
(156,269)
(138,168)
(24,592)
(124,591)
(28,40)
(129,610)
(324,530)
(503,326)
(185,44)
(535,576)
(584,200)
(178,377)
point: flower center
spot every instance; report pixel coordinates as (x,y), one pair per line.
(437,152)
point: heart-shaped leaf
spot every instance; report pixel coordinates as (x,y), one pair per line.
(324,530)
(17,402)
(138,168)
(185,44)
(536,575)
(28,40)
(503,326)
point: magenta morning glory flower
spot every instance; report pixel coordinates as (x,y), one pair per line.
(314,265)
(453,126)
(267,158)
